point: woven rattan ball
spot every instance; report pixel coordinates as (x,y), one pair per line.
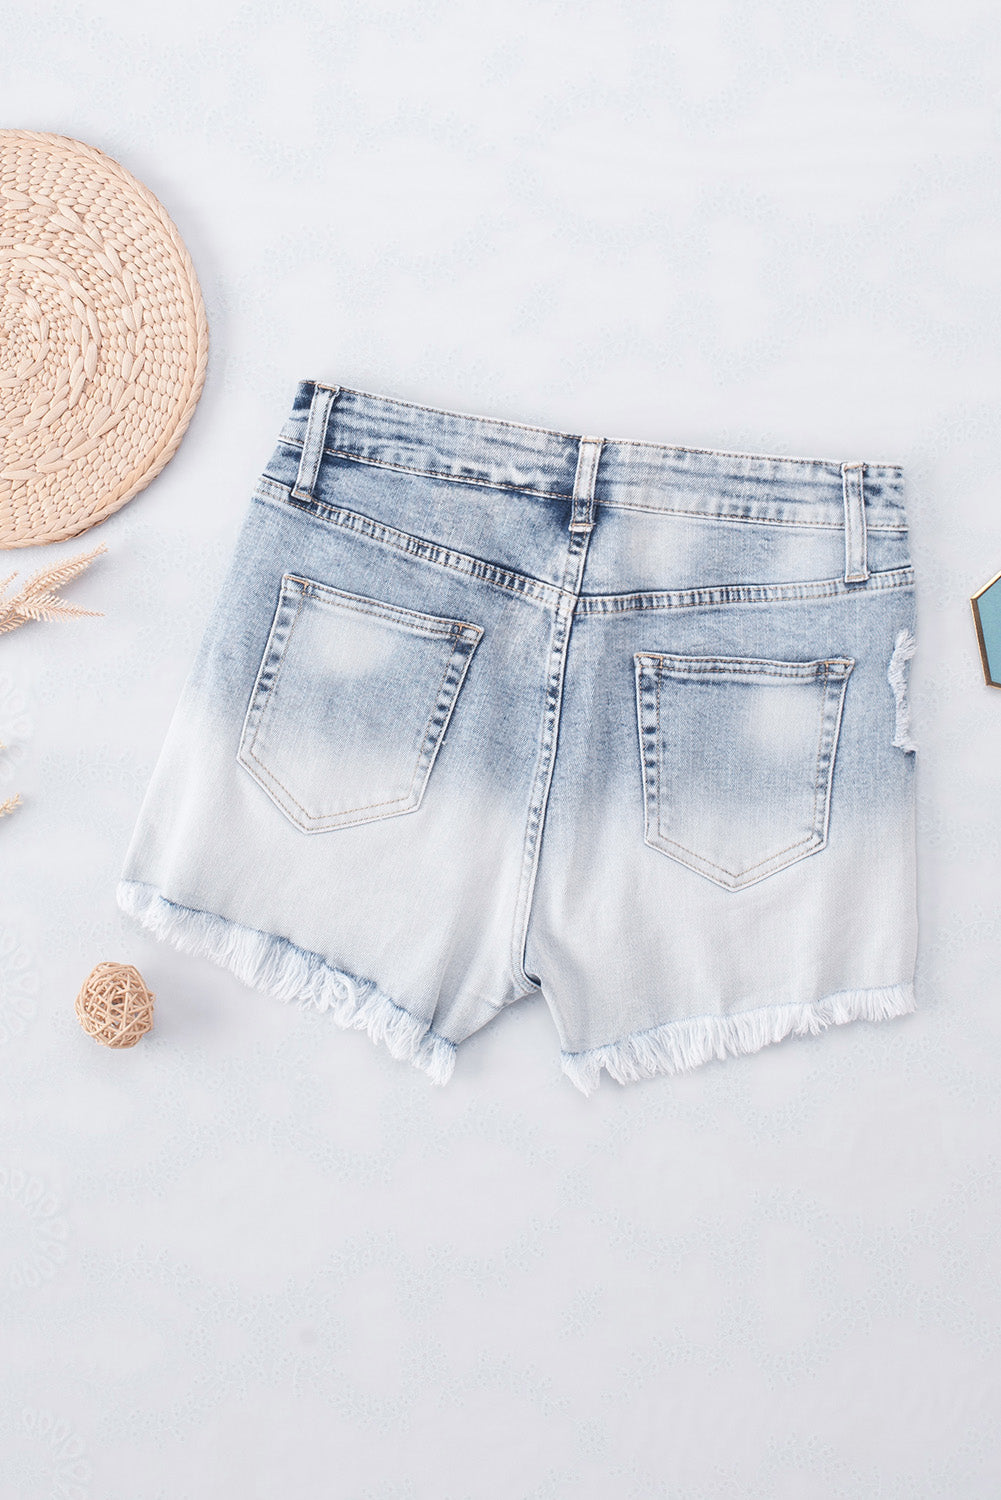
(114,1005)
(103,339)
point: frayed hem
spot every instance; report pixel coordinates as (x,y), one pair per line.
(678,1046)
(278,967)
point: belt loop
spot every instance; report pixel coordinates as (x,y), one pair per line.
(856,566)
(312,446)
(588,454)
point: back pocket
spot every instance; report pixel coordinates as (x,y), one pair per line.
(737,760)
(351,704)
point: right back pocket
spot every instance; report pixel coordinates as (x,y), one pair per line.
(737,760)
(351,704)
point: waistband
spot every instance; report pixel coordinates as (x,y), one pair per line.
(478,450)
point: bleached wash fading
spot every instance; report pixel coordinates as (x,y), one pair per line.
(485,709)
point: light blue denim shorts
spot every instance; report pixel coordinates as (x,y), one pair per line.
(485,710)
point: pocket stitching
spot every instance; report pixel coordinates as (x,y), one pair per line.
(795,671)
(257,713)
(814,841)
(323,823)
(341,599)
(461,633)
(812,838)
(404,803)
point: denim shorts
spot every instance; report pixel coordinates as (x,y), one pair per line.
(484,710)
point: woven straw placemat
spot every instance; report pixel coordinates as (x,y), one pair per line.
(103,339)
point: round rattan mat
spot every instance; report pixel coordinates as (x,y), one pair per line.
(103,339)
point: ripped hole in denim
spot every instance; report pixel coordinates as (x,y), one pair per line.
(897,677)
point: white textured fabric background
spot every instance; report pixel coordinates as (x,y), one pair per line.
(256,1257)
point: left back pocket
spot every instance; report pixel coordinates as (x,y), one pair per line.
(351,704)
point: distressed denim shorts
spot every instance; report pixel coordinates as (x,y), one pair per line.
(484,710)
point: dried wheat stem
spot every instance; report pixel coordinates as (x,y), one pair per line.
(38,600)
